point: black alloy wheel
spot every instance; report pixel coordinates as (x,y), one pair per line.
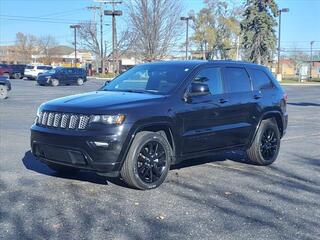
(269,144)
(151,162)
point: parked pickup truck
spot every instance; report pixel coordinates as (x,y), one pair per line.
(5,86)
(5,70)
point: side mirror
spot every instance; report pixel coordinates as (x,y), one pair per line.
(199,89)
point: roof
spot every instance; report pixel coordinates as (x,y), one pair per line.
(193,63)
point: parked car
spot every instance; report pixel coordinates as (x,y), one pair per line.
(33,71)
(158,114)
(5,87)
(63,76)
(5,70)
(17,70)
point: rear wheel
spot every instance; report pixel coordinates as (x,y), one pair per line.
(17,75)
(62,169)
(148,161)
(3,92)
(54,82)
(265,147)
(80,81)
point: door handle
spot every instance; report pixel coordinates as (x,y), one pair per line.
(222,100)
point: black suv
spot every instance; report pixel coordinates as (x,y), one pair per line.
(62,76)
(158,114)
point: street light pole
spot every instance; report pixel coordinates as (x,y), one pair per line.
(114,13)
(279,36)
(311,58)
(75,42)
(187,32)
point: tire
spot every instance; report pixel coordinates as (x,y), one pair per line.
(17,75)
(266,144)
(80,81)
(54,82)
(3,92)
(62,169)
(139,161)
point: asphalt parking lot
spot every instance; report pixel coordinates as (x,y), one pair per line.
(218,197)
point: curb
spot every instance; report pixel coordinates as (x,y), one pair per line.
(300,84)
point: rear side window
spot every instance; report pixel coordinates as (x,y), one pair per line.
(44,68)
(237,80)
(211,77)
(260,79)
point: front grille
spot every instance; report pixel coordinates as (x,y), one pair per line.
(63,120)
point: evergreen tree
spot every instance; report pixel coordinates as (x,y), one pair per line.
(257,28)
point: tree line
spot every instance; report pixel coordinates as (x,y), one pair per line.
(222,29)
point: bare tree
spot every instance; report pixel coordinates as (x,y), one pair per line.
(25,46)
(46,45)
(155,26)
(89,38)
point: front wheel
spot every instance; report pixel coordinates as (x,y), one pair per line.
(266,144)
(148,161)
(55,82)
(3,92)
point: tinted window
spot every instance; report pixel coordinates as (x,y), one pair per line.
(44,67)
(260,79)
(69,71)
(211,77)
(156,78)
(29,67)
(237,80)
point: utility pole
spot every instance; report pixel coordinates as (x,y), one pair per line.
(101,37)
(311,58)
(187,32)
(75,27)
(279,36)
(114,13)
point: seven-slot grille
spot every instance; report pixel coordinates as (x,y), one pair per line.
(63,120)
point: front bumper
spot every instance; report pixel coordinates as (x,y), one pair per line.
(101,152)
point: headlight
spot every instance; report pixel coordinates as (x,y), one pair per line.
(39,110)
(108,119)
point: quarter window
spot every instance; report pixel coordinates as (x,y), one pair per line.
(237,80)
(260,79)
(211,77)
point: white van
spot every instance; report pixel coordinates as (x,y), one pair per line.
(32,71)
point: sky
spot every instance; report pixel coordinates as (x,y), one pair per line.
(300,25)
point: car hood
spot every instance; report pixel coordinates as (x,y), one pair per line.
(98,101)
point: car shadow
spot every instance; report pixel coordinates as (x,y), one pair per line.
(34,164)
(236,156)
(305,104)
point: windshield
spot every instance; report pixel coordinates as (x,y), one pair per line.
(29,67)
(154,78)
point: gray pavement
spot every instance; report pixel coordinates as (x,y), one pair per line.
(218,197)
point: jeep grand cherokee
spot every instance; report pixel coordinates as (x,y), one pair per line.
(159,114)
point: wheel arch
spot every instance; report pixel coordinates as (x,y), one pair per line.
(276,115)
(162,127)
